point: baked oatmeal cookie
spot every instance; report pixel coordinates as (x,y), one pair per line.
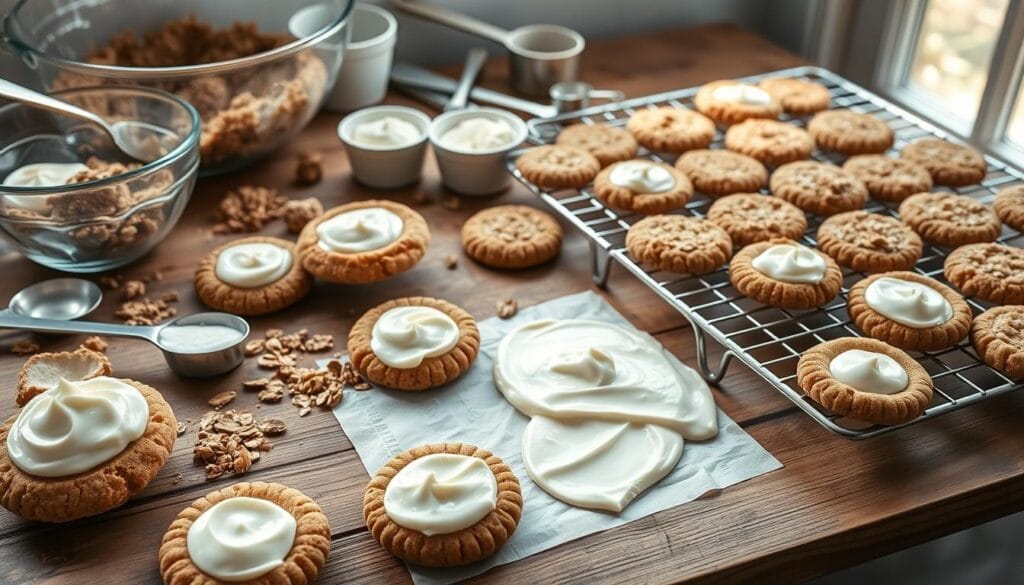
(991,272)
(869,242)
(669,129)
(1009,206)
(819,188)
(950,220)
(889,179)
(511,236)
(752,217)
(998,337)
(948,163)
(675,243)
(722,172)
(558,167)
(727,102)
(797,96)
(850,133)
(771,142)
(608,144)
(252,276)
(807,280)
(643,186)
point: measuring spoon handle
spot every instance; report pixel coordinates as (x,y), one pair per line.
(454,20)
(10,320)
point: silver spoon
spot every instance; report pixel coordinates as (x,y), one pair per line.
(61,298)
(475,60)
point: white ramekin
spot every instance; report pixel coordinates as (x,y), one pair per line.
(363,79)
(479,172)
(385,167)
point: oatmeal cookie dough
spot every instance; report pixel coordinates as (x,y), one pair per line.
(865,379)
(797,96)
(432,539)
(729,102)
(376,239)
(909,311)
(511,236)
(771,142)
(889,179)
(722,172)
(850,133)
(42,371)
(949,163)
(950,220)
(675,243)
(299,565)
(869,242)
(998,337)
(752,217)
(413,343)
(558,167)
(785,274)
(990,272)
(608,144)
(643,186)
(669,129)
(97,490)
(1009,206)
(819,188)
(252,276)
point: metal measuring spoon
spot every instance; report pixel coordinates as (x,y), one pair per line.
(475,60)
(61,298)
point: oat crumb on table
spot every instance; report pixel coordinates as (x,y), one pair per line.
(146,311)
(451,262)
(231,441)
(132,289)
(222,399)
(309,168)
(298,212)
(24,348)
(248,208)
(95,343)
(507,308)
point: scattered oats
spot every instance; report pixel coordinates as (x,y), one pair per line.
(182,427)
(230,442)
(95,343)
(273,333)
(110,282)
(304,410)
(257,384)
(156,276)
(147,311)
(171,297)
(178,478)
(507,308)
(421,198)
(451,202)
(132,289)
(298,213)
(24,348)
(247,209)
(254,347)
(319,342)
(451,262)
(271,394)
(272,427)
(222,399)
(309,168)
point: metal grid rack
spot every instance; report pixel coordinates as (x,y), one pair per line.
(767,339)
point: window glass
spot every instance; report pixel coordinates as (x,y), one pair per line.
(1015,130)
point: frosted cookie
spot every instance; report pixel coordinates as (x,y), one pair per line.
(947,162)
(1009,206)
(818,188)
(413,343)
(43,371)
(751,217)
(558,167)
(730,102)
(889,179)
(991,272)
(511,236)
(252,276)
(771,142)
(643,186)
(798,97)
(101,440)
(443,505)
(785,274)
(608,144)
(998,337)
(865,379)
(850,133)
(950,220)
(670,129)
(363,241)
(256,533)
(869,242)
(909,311)
(679,244)
(722,172)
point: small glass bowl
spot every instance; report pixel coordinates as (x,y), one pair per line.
(105,223)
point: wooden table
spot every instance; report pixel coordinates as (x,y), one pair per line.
(836,502)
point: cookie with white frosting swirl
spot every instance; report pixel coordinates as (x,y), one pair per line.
(252,276)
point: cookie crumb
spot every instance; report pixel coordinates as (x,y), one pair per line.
(147,311)
(95,343)
(229,442)
(222,399)
(110,282)
(309,168)
(507,308)
(451,202)
(182,427)
(132,289)
(248,208)
(178,478)
(297,213)
(25,348)
(451,262)
(421,198)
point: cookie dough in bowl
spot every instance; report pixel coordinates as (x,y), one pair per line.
(252,276)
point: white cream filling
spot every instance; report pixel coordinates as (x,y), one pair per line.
(241,538)
(642,177)
(909,303)
(793,263)
(386,131)
(404,336)
(360,230)
(869,371)
(741,93)
(253,264)
(441,493)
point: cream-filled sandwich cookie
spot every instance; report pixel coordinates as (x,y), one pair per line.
(729,102)
(252,276)
(643,186)
(786,274)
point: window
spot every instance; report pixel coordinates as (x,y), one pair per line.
(1015,129)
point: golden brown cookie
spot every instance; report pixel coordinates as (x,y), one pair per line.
(302,565)
(949,163)
(608,144)
(558,167)
(752,217)
(869,242)
(260,300)
(1009,206)
(818,188)
(889,179)
(511,236)
(850,133)
(679,244)
(722,172)
(372,265)
(102,488)
(633,196)
(771,142)
(948,219)
(902,335)
(729,102)
(757,285)
(816,379)
(462,547)
(42,371)
(991,272)
(998,337)
(670,129)
(797,96)
(432,371)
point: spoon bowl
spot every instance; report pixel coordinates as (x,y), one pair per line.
(198,358)
(60,298)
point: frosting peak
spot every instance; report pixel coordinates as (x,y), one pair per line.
(869,371)
(642,176)
(404,336)
(741,93)
(793,263)
(241,538)
(360,230)
(909,303)
(591,366)
(441,493)
(253,264)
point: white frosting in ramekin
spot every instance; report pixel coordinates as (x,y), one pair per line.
(386,131)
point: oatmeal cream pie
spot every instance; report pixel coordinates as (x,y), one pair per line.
(252,276)
(909,310)
(990,272)
(363,241)
(865,379)
(608,144)
(256,533)
(889,179)
(413,343)
(729,102)
(850,133)
(558,167)
(101,440)
(669,129)
(679,244)
(769,141)
(1009,206)
(443,505)
(722,172)
(869,242)
(948,219)
(643,186)
(998,337)
(818,188)
(752,217)
(949,163)
(511,236)
(785,274)
(797,96)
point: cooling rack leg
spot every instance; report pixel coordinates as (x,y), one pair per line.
(600,264)
(712,376)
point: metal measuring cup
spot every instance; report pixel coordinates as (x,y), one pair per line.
(569,96)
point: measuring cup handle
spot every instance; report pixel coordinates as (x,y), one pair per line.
(11,320)
(612,95)
(454,20)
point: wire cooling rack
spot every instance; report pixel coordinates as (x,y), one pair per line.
(767,339)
